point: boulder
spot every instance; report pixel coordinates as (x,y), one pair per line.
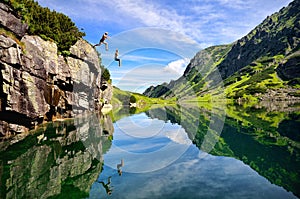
(10,21)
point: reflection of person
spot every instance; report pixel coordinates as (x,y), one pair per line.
(107,186)
(119,167)
(102,41)
(116,57)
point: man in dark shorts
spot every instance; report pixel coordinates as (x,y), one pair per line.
(102,41)
(116,57)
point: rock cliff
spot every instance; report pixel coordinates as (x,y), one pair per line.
(38,84)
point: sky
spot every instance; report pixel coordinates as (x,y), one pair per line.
(157,38)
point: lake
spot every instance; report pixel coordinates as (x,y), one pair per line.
(184,151)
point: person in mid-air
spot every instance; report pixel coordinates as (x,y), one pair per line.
(116,57)
(102,41)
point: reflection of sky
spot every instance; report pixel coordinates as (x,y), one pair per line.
(141,140)
(194,174)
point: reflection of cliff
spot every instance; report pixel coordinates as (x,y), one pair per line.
(249,135)
(62,159)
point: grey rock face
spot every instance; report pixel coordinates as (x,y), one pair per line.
(38,84)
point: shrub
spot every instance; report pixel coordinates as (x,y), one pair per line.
(106,74)
(132,99)
(294,82)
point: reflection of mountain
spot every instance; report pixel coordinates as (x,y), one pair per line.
(260,139)
(61,159)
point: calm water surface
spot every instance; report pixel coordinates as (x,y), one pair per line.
(157,154)
(160,165)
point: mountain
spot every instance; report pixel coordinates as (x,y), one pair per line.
(263,64)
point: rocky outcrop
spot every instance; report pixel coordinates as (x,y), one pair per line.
(10,21)
(290,69)
(38,84)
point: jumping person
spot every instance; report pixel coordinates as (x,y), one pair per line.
(102,41)
(116,57)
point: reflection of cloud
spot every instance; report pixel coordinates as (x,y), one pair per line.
(209,177)
(177,66)
(179,136)
(145,143)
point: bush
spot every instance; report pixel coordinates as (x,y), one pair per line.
(294,82)
(106,74)
(254,89)
(132,99)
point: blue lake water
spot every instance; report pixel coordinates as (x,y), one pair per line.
(160,161)
(167,152)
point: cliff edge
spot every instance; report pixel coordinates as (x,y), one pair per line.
(38,84)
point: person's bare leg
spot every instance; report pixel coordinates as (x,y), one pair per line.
(106,45)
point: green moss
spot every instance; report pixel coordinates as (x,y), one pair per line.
(13,37)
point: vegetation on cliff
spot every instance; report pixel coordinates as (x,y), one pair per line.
(46,23)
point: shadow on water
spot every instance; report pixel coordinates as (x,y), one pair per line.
(58,160)
(266,140)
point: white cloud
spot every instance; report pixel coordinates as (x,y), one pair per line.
(177,66)
(142,58)
(197,19)
(179,136)
(142,77)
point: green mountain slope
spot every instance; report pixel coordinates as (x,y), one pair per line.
(263,64)
(192,80)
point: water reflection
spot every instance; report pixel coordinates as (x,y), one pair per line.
(58,160)
(241,165)
(157,154)
(268,141)
(146,144)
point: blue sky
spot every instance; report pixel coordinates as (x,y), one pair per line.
(157,38)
